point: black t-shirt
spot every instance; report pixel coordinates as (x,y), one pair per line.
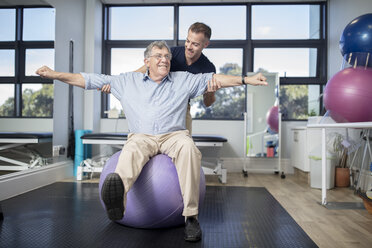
(178,62)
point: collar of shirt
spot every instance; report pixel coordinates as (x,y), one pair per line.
(167,77)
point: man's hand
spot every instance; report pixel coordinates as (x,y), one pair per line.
(46,72)
(105,89)
(257,79)
(213,85)
(75,79)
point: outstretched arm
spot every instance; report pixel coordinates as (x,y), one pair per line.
(75,79)
(229,81)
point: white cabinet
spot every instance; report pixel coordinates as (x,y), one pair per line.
(304,143)
(299,149)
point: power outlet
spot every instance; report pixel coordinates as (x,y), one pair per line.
(58,150)
(112,114)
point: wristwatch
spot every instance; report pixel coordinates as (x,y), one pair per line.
(243,83)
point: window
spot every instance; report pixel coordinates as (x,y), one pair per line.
(134,23)
(7,27)
(289,62)
(290,39)
(286,38)
(230,27)
(26,43)
(285,21)
(230,102)
(38,24)
(299,101)
(7,62)
(37,57)
(7,100)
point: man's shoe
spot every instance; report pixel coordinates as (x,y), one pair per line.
(112,194)
(193,232)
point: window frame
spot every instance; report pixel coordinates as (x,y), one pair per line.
(20,46)
(248,45)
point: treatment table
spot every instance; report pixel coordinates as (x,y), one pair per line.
(203,142)
(11,140)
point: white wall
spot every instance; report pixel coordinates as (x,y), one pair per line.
(92,62)
(26,125)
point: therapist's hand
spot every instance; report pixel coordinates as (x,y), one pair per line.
(213,85)
(105,89)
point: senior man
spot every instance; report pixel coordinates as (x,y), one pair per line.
(155,104)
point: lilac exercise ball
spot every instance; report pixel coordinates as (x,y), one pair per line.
(272,118)
(155,199)
(348,95)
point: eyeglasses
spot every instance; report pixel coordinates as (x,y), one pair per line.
(159,56)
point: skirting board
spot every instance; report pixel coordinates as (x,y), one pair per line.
(20,182)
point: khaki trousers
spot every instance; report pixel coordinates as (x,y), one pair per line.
(179,146)
(188,119)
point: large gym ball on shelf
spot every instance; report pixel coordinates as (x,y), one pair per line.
(356,40)
(272,118)
(155,199)
(348,95)
(357,35)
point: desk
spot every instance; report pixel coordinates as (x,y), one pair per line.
(357,125)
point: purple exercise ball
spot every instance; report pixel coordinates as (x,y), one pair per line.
(155,199)
(348,95)
(272,118)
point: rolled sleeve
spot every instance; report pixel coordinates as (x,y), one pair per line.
(94,81)
(97,81)
(200,83)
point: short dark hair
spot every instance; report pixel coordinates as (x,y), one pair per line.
(199,27)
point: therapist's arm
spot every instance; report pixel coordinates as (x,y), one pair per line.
(230,81)
(75,79)
(208,97)
(142,69)
(107,88)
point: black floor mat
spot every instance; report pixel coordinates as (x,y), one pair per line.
(70,215)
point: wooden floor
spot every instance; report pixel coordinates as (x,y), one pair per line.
(327,228)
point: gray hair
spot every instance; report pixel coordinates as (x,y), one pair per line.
(158,44)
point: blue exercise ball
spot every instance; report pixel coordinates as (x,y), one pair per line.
(155,199)
(357,36)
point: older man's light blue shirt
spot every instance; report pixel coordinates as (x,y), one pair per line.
(152,108)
